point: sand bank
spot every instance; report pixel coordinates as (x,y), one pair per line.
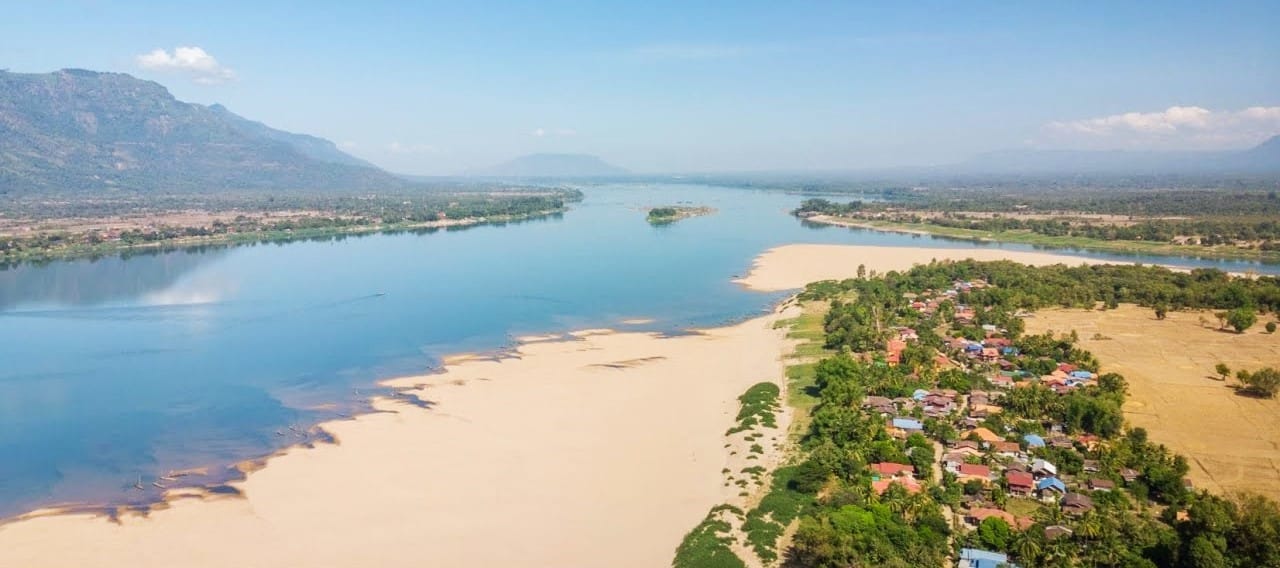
(792,266)
(599,451)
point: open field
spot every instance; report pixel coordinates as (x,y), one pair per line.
(1232,441)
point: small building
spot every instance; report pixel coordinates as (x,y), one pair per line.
(1020,483)
(890,469)
(1033,441)
(976,515)
(1007,449)
(1043,468)
(1097,484)
(909,483)
(976,558)
(1055,532)
(1076,504)
(1050,488)
(985,435)
(1129,475)
(971,471)
(908,425)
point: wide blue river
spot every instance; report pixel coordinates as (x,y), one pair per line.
(114,372)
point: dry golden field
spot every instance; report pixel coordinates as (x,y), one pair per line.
(1232,441)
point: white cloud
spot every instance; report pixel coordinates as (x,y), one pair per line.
(398,148)
(1177,127)
(194,61)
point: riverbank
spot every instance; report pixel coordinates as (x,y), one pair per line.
(1225,252)
(790,267)
(601,450)
(112,247)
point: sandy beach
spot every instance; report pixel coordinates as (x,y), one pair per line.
(598,451)
(792,266)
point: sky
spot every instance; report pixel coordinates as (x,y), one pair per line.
(443,88)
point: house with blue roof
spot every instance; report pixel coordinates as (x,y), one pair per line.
(975,558)
(908,424)
(1050,488)
(1033,441)
(919,394)
(1086,375)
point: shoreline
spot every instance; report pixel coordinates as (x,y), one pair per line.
(1080,243)
(78,252)
(453,456)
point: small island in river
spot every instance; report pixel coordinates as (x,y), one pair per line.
(668,214)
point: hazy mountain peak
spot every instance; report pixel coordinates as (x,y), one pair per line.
(553,165)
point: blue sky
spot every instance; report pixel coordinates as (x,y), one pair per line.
(669,86)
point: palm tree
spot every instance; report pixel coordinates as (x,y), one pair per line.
(1026,548)
(1089,527)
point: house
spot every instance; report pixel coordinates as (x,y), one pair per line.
(1066,367)
(1043,468)
(1020,483)
(952,461)
(908,334)
(908,483)
(975,558)
(1055,532)
(1007,449)
(879,404)
(1000,381)
(919,394)
(971,471)
(905,426)
(990,354)
(1092,466)
(1033,441)
(1050,488)
(984,434)
(1076,504)
(976,515)
(1101,485)
(1129,475)
(890,469)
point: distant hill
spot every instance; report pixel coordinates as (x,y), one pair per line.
(553,165)
(77,130)
(1264,158)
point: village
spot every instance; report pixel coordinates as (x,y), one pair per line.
(1012,475)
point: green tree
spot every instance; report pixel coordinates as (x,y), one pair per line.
(1242,318)
(1271,327)
(1263,382)
(1223,370)
(994,533)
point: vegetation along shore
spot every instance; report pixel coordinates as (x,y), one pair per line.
(46,228)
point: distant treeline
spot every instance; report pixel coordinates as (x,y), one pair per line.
(331,214)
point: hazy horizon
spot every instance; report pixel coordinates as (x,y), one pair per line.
(671,88)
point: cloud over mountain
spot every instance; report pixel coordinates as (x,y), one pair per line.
(193,61)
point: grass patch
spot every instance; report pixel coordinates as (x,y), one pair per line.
(759,406)
(707,545)
(782,505)
(1022,507)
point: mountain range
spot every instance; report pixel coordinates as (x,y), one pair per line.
(1263,158)
(75,130)
(552,165)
